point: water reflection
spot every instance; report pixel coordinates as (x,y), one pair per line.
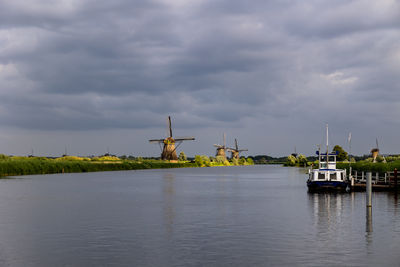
(169,198)
(368,227)
(327,209)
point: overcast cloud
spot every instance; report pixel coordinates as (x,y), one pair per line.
(91,75)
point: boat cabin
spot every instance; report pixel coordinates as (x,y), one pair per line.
(327,161)
(327,169)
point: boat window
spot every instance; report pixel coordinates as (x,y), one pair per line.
(321,176)
(331,158)
(323,158)
(333,176)
(323,165)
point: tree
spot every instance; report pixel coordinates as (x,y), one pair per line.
(342,155)
(291,161)
(182,156)
(302,160)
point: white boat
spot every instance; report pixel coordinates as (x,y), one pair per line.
(327,177)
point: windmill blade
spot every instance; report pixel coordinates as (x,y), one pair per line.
(224,140)
(240,150)
(377,146)
(169,127)
(184,138)
(236,144)
(219,146)
(156,140)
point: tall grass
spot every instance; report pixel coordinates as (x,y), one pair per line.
(28,166)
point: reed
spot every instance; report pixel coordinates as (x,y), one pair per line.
(29,166)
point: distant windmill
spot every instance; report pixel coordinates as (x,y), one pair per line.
(169,147)
(235,151)
(375,151)
(221,149)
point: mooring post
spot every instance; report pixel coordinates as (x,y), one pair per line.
(369,220)
(395,178)
(369,189)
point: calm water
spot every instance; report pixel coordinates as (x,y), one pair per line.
(235,216)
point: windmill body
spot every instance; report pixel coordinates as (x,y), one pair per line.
(235,151)
(170,144)
(221,149)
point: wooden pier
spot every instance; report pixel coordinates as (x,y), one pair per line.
(380,182)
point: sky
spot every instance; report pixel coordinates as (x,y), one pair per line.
(92,77)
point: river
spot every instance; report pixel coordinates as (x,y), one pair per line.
(221,216)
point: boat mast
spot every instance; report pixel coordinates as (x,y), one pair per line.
(327,147)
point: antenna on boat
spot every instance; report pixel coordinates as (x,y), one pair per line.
(327,140)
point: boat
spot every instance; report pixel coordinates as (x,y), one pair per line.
(327,177)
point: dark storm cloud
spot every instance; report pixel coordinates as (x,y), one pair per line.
(83,65)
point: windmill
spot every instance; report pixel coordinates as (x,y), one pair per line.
(235,151)
(375,151)
(221,149)
(170,144)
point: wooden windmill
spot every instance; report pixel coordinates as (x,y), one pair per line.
(221,149)
(375,151)
(170,144)
(235,151)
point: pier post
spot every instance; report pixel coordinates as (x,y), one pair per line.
(369,189)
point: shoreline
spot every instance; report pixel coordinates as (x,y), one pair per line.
(41,166)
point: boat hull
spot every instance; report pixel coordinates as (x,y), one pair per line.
(328,186)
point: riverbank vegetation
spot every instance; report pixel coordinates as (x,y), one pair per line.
(390,163)
(16,165)
(205,161)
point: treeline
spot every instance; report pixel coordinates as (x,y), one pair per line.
(265,159)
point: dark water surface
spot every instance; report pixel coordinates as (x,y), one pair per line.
(223,216)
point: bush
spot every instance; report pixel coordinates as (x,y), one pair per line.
(220,159)
(182,156)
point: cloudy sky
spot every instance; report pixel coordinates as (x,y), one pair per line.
(92,76)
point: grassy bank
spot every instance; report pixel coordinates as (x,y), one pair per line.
(14,166)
